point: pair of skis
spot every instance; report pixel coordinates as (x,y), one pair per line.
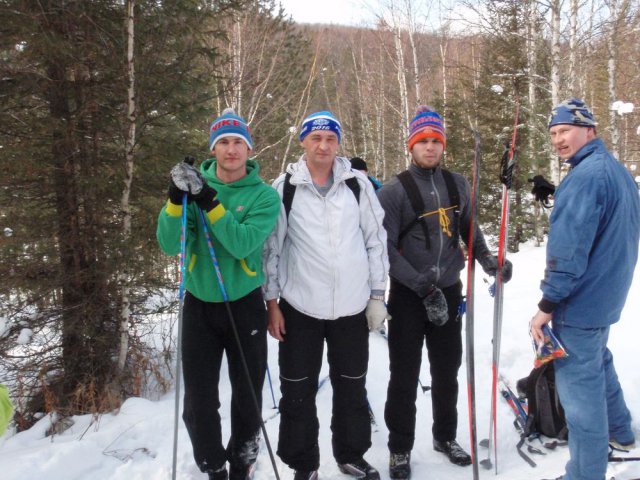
(506,176)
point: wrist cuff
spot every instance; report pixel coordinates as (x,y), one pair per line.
(547,306)
(216,213)
(429,291)
(173,210)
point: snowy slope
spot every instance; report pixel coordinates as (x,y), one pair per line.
(137,442)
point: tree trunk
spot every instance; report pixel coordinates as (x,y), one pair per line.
(612,34)
(414,52)
(88,327)
(554,164)
(402,88)
(443,58)
(573,34)
(532,73)
(125,206)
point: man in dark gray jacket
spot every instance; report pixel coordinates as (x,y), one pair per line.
(426,214)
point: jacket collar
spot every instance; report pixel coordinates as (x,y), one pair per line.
(586,150)
(423,172)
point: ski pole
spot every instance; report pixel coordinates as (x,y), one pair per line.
(469,305)
(223,290)
(176,413)
(372,416)
(273,397)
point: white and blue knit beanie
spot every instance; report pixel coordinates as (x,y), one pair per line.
(323,120)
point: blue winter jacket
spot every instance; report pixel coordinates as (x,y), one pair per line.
(593,240)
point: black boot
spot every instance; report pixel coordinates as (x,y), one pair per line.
(305,475)
(243,459)
(400,466)
(359,469)
(241,472)
(453,451)
(220,474)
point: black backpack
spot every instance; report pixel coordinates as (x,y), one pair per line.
(415,198)
(289,190)
(545,413)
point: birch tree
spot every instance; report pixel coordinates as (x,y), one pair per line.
(554,84)
(125,206)
(401,78)
(617,11)
(267,67)
(573,40)
(533,33)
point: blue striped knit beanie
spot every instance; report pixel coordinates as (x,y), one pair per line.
(229,125)
(426,124)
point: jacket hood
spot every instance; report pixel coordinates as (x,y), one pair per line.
(208,170)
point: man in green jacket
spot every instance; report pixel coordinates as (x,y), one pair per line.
(240,210)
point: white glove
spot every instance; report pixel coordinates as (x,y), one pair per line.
(376,314)
(187,178)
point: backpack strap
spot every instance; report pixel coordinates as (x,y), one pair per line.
(354,186)
(289,190)
(532,401)
(413,192)
(454,201)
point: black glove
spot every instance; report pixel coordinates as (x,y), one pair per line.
(206,198)
(542,189)
(175,194)
(489,264)
(436,306)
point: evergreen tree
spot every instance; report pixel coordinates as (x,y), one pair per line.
(64,85)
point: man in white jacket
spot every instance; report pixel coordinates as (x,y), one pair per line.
(327,263)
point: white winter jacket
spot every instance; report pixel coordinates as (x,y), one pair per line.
(331,252)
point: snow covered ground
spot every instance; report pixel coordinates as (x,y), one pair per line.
(137,442)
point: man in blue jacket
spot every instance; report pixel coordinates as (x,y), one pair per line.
(592,251)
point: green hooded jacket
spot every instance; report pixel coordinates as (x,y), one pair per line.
(239,226)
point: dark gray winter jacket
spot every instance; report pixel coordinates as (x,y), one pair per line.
(411,262)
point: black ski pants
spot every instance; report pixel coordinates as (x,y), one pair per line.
(206,335)
(408,329)
(300,359)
